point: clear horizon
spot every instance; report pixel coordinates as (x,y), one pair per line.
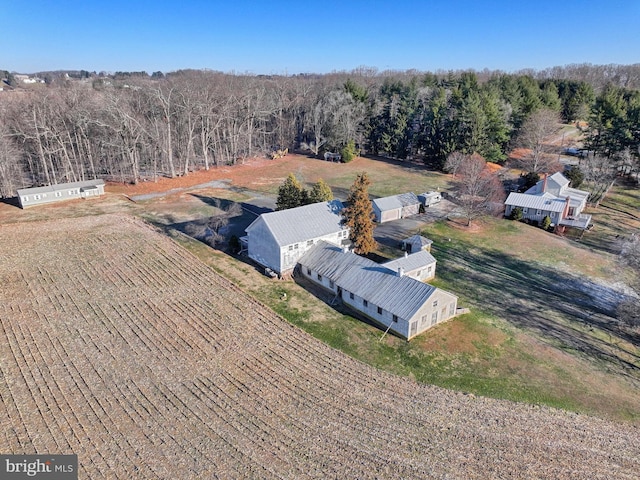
(285,37)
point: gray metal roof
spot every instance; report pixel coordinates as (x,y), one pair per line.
(411,262)
(402,296)
(300,224)
(396,201)
(544,201)
(60,186)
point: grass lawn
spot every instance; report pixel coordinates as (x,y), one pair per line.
(541,329)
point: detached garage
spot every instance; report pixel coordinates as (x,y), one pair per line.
(395,207)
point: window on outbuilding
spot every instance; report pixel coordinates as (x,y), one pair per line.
(365,303)
(379,310)
(395,318)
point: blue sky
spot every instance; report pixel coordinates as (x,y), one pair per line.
(287,37)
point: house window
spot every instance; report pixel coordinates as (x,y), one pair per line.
(319,277)
(379,310)
(435,303)
(290,248)
(419,274)
(538,212)
(395,318)
(434,318)
(295,246)
(423,320)
(309,243)
(429,269)
(351,295)
(365,303)
(58,194)
(308,271)
(553,214)
(25,198)
(330,283)
(452,309)
(525,210)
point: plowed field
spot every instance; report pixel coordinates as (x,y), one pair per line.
(118,345)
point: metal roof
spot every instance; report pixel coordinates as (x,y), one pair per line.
(544,201)
(60,186)
(396,201)
(300,224)
(380,286)
(411,262)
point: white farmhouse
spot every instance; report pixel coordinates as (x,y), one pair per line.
(389,298)
(277,240)
(552,197)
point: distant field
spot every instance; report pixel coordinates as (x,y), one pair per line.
(120,346)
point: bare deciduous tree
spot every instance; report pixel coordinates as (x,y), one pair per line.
(478,191)
(534,133)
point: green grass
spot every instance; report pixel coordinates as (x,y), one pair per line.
(515,344)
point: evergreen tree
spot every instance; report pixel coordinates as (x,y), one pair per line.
(291,194)
(349,151)
(320,192)
(358,216)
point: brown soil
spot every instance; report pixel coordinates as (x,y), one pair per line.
(147,364)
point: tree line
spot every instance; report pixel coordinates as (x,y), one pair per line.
(132,127)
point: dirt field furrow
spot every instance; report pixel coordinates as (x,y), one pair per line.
(120,346)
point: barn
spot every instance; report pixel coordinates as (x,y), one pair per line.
(391,299)
(30,197)
(276,240)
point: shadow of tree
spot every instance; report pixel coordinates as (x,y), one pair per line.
(564,310)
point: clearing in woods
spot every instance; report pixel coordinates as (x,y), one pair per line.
(147,364)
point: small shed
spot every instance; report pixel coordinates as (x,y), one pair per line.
(416,243)
(395,207)
(29,197)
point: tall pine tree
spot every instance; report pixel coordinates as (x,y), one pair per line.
(358,216)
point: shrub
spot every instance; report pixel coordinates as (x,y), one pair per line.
(546,222)
(516,214)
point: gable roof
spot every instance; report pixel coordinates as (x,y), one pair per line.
(411,262)
(402,296)
(396,201)
(303,223)
(418,240)
(60,186)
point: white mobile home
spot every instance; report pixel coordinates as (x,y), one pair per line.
(29,197)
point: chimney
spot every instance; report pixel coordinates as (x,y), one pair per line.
(544,183)
(400,272)
(565,212)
